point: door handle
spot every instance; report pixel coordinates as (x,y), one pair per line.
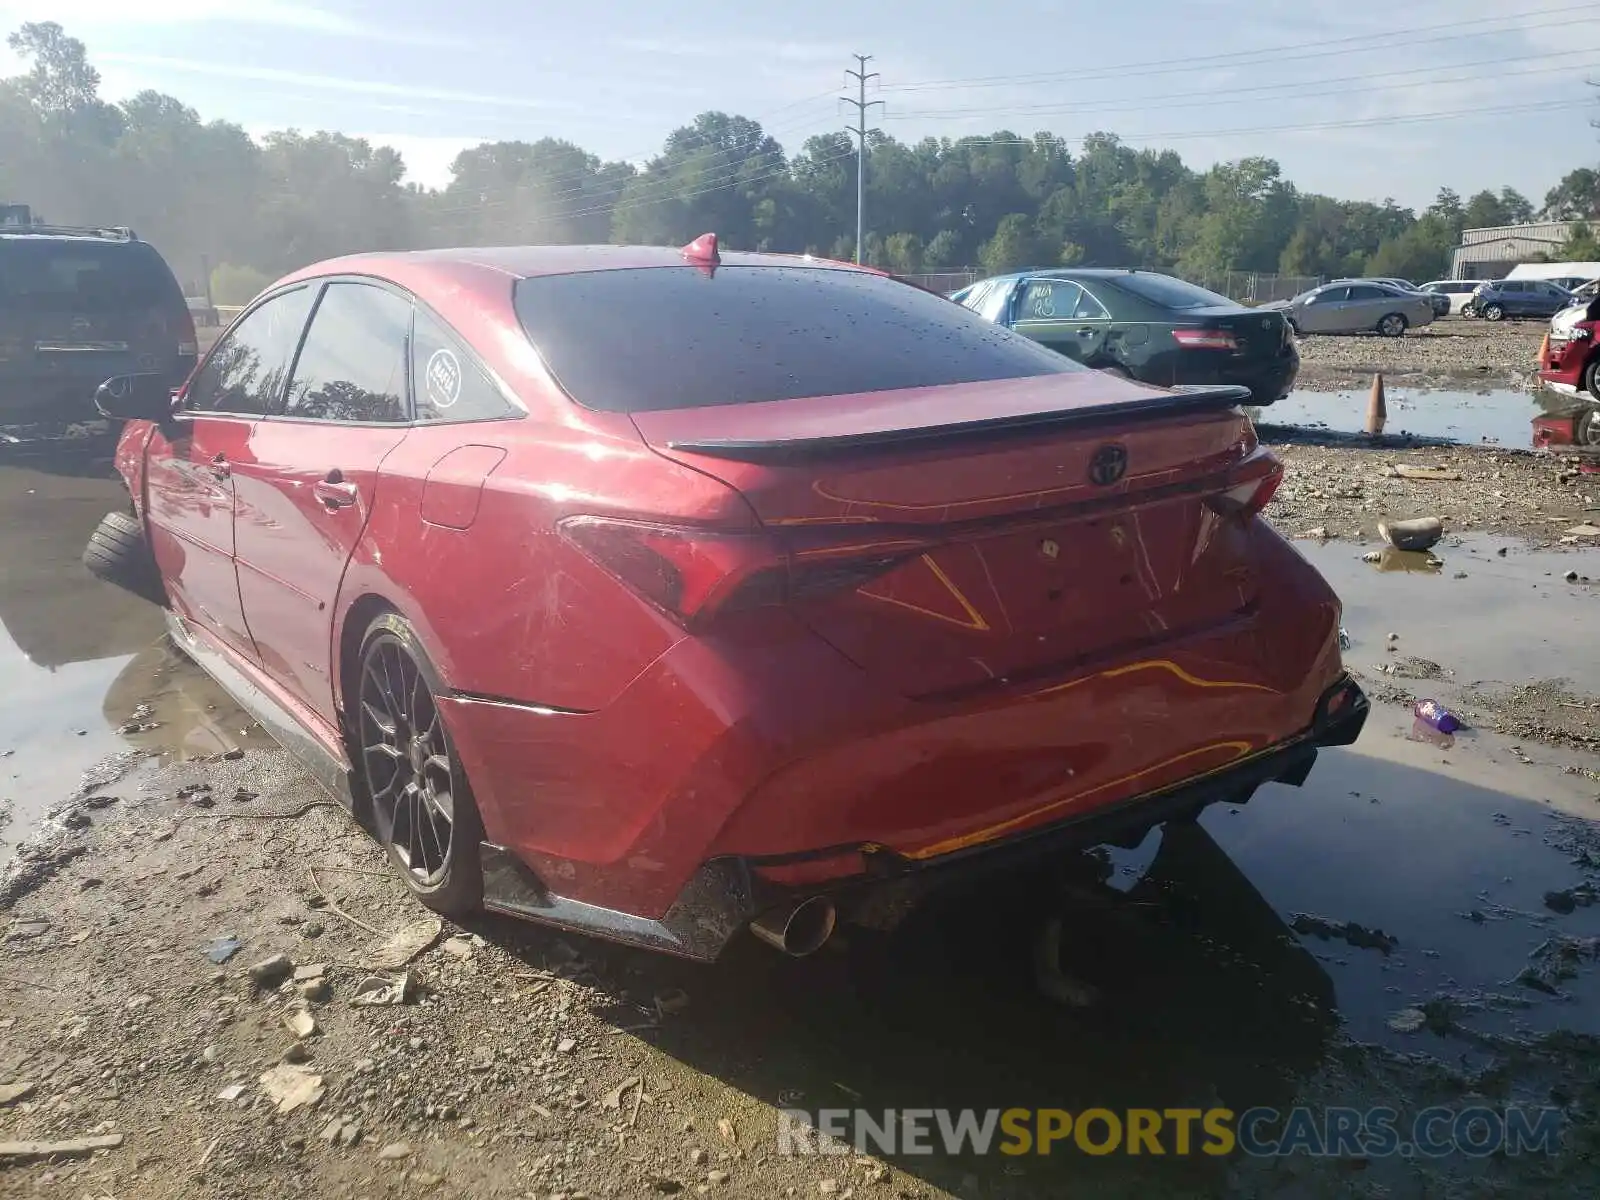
(1084,333)
(335,492)
(219,466)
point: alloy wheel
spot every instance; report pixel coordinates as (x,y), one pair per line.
(407,761)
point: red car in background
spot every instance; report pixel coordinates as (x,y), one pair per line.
(1569,362)
(659,594)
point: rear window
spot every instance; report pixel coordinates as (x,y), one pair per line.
(83,276)
(670,337)
(1169,292)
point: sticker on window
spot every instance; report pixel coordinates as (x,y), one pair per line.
(1044,302)
(443,378)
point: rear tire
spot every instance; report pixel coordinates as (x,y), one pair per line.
(422,807)
(1493,312)
(119,554)
(1586,428)
(1591,377)
(1393,325)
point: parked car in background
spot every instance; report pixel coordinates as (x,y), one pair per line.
(823,581)
(78,306)
(1441,304)
(1497,299)
(1457,292)
(1144,325)
(1569,362)
(1364,306)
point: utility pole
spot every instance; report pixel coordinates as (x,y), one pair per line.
(861,103)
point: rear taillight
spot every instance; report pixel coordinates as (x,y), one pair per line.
(1255,481)
(693,574)
(188,338)
(1205,339)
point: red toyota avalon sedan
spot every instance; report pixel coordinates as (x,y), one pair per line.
(660,594)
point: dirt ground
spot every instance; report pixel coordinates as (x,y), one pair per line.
(1452,352)
(518,1062)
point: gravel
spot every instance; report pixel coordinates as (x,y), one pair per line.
(1450,353)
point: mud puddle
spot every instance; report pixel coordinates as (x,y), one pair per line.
(1499,417)
(1513,617)
(88,675)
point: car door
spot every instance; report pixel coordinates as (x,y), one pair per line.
(1366,305)
(1322,311)
(1058,313)
(191,460)
(311,480)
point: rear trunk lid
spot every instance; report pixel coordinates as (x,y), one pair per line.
(1257,333)
(89,308)
(1009,529)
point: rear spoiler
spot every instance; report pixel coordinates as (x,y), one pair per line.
(1183,399)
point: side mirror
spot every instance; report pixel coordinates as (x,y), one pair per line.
(142,397)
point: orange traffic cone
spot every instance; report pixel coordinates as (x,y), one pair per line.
(1377,410)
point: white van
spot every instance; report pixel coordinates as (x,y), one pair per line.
(1570,275)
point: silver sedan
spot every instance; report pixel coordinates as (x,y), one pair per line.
(1365,306)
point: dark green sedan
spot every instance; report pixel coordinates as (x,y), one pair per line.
(1145,326)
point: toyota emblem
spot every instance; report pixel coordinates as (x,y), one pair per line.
(1108,464)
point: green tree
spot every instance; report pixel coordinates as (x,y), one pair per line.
(232,284)
(1576,197)
(902,253)
(1420,253)
(1580,244)
(1012,248)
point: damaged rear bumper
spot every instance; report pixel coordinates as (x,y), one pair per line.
(727,893)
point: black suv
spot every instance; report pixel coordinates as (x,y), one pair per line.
(78,306)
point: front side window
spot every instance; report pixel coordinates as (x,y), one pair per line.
(353,365)
(646,338)
(447,382)
(1329,296)
(244,375)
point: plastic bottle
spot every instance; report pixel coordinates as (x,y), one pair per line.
(1437,716)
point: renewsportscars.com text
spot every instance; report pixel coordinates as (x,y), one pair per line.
(1259,1132)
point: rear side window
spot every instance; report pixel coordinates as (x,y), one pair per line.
(1058,300)
(1169,292)
(245,373)
(353,364)
(447,382)
(671,337)
(83,275)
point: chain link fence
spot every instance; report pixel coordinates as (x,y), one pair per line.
(1253,287)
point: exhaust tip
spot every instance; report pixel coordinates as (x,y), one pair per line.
(799,930)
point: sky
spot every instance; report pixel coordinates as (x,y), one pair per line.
(1364,100)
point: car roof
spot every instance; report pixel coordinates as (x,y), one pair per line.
(491,265)
(69,233)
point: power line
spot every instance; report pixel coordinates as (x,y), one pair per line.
(861,103)
(1298,89)
(1145,67)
